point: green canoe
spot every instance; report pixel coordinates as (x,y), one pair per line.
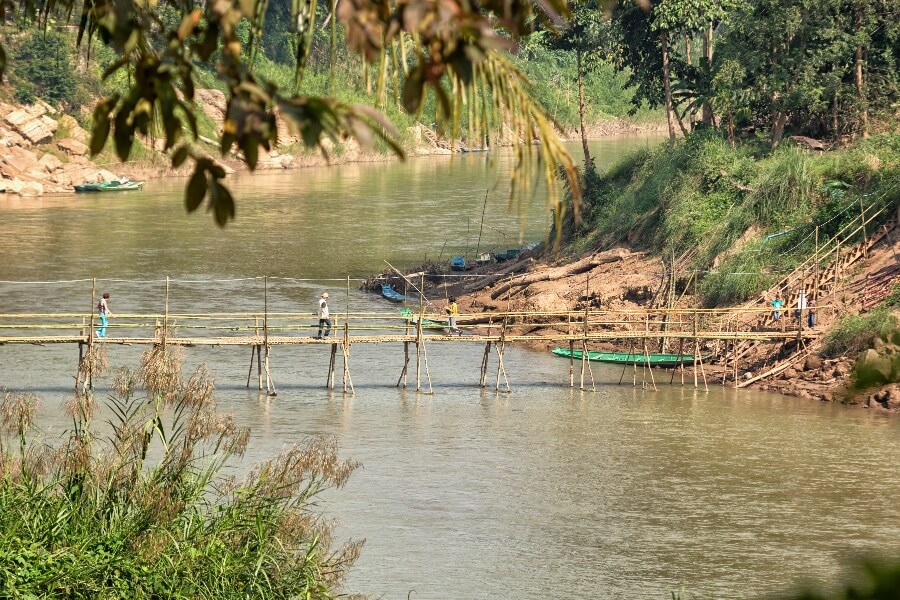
(110,186)
(408,314)
(625,358)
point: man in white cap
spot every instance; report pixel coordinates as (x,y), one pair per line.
(324,316)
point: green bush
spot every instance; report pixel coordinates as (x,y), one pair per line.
(42,63)
(702,196)
(854,333)
(97,518)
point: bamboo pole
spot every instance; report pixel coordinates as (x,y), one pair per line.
(585,357)
(332,360)
(571,353)
(345,347)
(166,316)
(696,354)
(862,216)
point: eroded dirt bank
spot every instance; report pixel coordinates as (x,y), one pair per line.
(622,278)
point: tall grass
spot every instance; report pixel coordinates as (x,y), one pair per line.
(140,508)
(700,198)
(854,333)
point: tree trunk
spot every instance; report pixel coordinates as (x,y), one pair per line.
(584,140)
(860,91)
(668,88)
(731,127)
(687,53)
(835,123)
(707,113)
(778,127)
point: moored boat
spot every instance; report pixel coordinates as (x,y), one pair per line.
(116,185)
(457,263)
(413,318)
(631,358)
(391,294)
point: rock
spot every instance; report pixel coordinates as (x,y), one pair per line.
(891,397)
(105,175)
(18,161)
(49,162)
(812,363)
(747,376)
(790,373)
(32,188)
(33,124)
(805,395)
(72,129)
(11,186)
(72,147)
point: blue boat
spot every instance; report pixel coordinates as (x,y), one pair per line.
(457,263)
(391,294)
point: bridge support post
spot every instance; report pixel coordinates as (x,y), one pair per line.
(405,371)
(585,357)
(329,379)
(482,382)
(501,369)
(345,348)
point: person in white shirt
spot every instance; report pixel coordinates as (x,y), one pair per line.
(324,316)
(801,305)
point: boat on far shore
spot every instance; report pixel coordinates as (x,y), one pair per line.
(116,185)
(632,358)
(391,294)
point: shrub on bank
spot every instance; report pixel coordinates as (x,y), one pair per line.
(143,511)
(741,216)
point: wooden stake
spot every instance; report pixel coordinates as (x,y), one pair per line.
(270,383)
(166,316)
(332,360)
(571,353)
(484,364)
(345,347)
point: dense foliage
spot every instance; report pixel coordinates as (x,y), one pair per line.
(744,216)
(139,507)
(44,69)
(822,68)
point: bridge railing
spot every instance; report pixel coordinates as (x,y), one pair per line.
(549,325)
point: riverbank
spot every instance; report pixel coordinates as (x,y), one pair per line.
(620,257)
(626,279)
(45,152)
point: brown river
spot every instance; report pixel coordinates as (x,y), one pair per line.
(545,492)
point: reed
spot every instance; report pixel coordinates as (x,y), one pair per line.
(139,506)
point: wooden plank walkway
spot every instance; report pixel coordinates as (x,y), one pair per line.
(695,330)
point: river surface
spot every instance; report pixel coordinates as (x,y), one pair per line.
(545,492)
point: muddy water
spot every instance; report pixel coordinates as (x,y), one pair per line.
(544,492)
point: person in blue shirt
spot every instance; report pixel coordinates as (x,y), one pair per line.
(777,303)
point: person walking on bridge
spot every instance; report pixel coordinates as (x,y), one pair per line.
(324,316)
(104,312)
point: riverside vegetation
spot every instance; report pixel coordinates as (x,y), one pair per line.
(140,507)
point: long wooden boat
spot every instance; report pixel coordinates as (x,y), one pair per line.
(413,318)
(631,358)
(391,294)
(110,186)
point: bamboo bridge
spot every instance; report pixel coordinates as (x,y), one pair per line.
(698,333)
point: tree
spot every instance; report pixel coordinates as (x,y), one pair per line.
(43,68)
(456,44)
(589,34)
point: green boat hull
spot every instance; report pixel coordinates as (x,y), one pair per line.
(408,314)
(625,358)
(110,186)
